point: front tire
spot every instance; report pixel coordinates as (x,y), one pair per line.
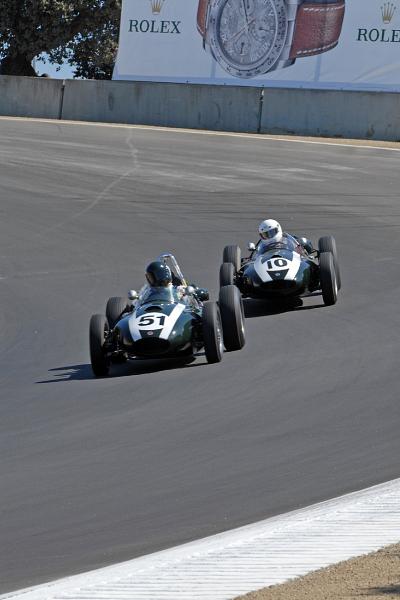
(212,332)
(328,244)
(114,309)
(226,274)
(231,307)
(233,255)
(327,275)
(97,334)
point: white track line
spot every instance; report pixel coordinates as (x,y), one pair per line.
(223,566)
(261,137)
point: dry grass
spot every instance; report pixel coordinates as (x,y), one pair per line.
(372,577)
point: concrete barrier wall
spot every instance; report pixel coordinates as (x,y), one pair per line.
(30,97)
(364,115)
(219,108)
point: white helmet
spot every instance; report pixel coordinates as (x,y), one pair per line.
(270,230)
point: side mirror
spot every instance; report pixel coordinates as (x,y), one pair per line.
(251,246)
(133,295)
(202,294)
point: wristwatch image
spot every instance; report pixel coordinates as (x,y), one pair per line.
(252,37)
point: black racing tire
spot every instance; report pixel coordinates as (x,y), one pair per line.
(327,275)
(226,274)
(328,244)
(231,307)
(97,332)
(212,332)
(233,255)
(114,309)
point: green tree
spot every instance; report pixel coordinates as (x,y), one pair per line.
(84,33)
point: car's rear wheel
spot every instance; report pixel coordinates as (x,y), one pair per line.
(98,330)
(212,333)
(328,244)
(231,307)
(233,255)
(327,275)
(114,309)
(226,274)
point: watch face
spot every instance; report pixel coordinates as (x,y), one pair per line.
(247,36)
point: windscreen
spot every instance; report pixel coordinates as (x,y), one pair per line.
(286,243)
(159,294)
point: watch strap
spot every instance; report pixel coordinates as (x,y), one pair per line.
(202,16)
(318,27)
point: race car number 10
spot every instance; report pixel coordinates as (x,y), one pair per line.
(275,264)
(151,321)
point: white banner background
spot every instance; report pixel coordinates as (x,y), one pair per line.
(357,62)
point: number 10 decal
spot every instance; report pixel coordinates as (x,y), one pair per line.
(148,321)
(276,264)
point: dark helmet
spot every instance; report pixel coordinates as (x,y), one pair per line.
(158,274)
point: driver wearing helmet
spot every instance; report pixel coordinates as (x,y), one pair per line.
(272,236)
(160,276)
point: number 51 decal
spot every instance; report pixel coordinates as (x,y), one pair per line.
(151,321)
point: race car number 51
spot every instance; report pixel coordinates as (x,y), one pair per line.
(151,321)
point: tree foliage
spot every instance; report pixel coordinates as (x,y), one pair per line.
(84,33)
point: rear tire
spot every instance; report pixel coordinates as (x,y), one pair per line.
(328,244)
(114,309)
(212,332)
(231,307)
(233,255)
(226,274)
(327,275)
(97,334)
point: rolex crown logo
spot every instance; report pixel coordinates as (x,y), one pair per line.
(387,10)
(156,6)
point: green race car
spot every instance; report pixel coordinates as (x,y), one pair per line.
(167,319)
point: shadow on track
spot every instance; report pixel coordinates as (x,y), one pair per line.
(390,590)
(263,308)
(84,371)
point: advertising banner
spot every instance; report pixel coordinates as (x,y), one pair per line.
(324,44)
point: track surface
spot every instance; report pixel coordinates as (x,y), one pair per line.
(97,471)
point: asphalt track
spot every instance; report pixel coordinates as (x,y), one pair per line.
(97,471)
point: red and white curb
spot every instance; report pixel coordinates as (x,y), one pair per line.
(226,565)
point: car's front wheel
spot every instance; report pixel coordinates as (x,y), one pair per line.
(226,274)
(233,255)
(114,309)
(98,330)
(328,244)
(327,275)
(231,307)
(212,333)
